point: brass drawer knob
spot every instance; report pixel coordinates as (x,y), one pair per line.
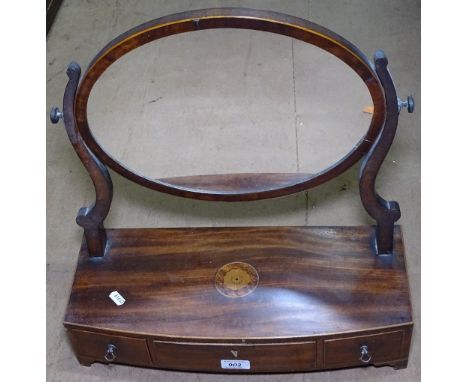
(365,355)
(111,353)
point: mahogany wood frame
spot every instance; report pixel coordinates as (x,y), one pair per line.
(262,186)
(374,145)
(293,320)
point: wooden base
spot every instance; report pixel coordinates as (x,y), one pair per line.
(210,299)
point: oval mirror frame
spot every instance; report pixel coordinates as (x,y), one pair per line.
(233,187)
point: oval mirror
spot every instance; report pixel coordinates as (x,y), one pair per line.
(274,113)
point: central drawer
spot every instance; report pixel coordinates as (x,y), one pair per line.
(279,357)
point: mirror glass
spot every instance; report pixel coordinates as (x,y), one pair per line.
(228,101)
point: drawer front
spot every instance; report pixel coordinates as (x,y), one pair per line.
(251,358)
(110,348)
(361,350)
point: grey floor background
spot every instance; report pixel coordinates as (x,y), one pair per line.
(258,102)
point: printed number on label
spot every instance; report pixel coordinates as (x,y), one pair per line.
(117,298)
(235,364)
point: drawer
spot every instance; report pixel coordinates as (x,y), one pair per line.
(118,349)
(350,351)
(280,357)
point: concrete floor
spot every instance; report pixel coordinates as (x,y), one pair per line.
(227,101)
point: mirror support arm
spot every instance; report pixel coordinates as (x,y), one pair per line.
(90,218)
(386,213)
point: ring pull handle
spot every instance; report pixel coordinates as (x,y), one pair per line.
(111,353)
(365,355)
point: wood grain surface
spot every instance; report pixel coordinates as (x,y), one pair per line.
(312,281)
(321,294)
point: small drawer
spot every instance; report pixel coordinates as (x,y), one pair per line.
(110,348)
(361,350)
(251,358)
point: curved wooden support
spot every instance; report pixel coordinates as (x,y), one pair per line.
(386,213)
(90,218)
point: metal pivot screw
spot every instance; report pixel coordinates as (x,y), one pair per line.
(111,353)
(365,355)
(409,104)
(55,114)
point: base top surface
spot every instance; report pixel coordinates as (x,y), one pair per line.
(240,283)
